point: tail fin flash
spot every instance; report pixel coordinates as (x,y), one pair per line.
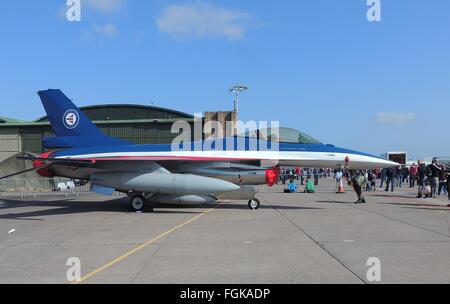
(66,119)
(72,127)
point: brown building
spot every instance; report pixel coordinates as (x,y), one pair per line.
(220,124)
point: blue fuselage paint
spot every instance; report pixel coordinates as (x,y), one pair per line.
(250,145)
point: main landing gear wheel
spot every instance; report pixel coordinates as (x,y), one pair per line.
(138,203)
(254,204)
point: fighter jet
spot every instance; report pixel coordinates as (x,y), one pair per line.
(188,173)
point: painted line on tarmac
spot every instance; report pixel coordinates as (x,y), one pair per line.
(144,245)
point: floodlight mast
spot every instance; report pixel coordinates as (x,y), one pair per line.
(236,89)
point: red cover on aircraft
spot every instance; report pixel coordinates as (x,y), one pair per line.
(272,176)
(37,163)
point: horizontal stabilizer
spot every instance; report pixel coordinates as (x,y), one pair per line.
(28,170)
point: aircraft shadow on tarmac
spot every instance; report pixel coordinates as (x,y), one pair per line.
(121,205)
(244,206)
(62,207)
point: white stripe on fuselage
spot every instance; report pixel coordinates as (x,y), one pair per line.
(270,155)
(325,157)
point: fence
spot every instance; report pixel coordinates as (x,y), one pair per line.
(35,186)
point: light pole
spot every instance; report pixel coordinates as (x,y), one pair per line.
(236,89)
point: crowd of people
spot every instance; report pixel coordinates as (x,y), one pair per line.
(308,177)
(303,174)
(431,180)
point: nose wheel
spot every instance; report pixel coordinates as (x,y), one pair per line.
(254,204)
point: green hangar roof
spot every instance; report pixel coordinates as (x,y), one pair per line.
(114,113)
(128,112)
(4,120)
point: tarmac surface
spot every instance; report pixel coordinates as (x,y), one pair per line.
(293,238)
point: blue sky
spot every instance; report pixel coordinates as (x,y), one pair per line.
(315,65)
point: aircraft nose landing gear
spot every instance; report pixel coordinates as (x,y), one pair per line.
(254,204)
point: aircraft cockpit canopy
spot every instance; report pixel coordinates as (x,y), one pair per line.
(284,135)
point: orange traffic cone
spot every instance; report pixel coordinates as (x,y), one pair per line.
(340,187)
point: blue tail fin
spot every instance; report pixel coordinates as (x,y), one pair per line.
(72,127)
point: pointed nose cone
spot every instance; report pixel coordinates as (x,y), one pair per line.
(381,163)
(360,161)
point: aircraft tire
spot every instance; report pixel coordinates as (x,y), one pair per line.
(138,203)
(254,204)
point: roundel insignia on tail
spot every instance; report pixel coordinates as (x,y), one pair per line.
(71,119)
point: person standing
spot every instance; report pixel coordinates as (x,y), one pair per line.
(316,173)
(373,181)
(339,175)
(383,177)
(283,176)
(405,174)
(398,176)
(443,184)
(391,175)
(448,185)
(412,175)
(369,179)
(422,171)
(436,171)
(302,177)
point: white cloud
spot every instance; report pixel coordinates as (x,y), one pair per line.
(107,29)
(104,6)
(200,20)
(397,118)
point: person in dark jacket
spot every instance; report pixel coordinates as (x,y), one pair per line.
(405,174)
(443,184)
(316,173)
(398,177)
(383,177)
(422,172)
(436,171)
(391,175)
(448,185)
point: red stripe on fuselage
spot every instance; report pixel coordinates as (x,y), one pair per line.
(159,158)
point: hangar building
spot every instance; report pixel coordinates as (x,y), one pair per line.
(138,124)
(135,123)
